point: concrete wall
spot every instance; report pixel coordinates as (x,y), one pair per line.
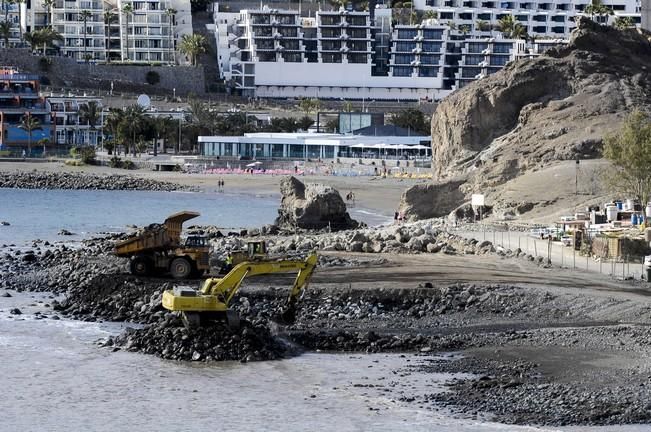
(66,72)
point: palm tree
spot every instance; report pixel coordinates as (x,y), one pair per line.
(621,23)
(34,39)
(430,14)
(113,123)
(596,7)
(29,124)
(482,25)
(47,5)
(5,32)
(83,16)
(90,114)
(132,122)
(127,10)
(171,16)
(506,24)
(193,45)
(109,16)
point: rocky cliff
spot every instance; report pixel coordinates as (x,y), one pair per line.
(554,107)
(535,112)
(311,206)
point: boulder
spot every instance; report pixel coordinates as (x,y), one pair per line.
(312,206)
(430,200)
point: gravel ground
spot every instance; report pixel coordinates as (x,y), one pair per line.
(541,354)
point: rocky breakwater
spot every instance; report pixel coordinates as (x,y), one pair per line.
(311,206)
(78,181)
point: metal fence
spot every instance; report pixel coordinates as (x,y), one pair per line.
(626,266)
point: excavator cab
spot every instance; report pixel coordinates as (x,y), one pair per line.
(257,249)
(195,242)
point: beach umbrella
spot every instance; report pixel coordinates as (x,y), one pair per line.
(251,165)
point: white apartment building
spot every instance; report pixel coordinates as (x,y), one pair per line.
(149,34)
(542,18)
(270,53)
(9,12)
(273,53)
(70,127)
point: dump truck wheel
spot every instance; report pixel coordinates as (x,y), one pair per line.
(140,266)
(180,268)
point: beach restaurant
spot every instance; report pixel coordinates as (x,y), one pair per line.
(266,146)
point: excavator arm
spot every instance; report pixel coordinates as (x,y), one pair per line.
(216,293)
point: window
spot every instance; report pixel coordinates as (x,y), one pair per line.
(358,46)
(405,46)
(292,57)
(430,59)
(474,59)
(401,71)
(357,58)
(263,31)
(288,32)
(431,46)
(290,44)
(499,60)
(357,33)
(470,72)
(264,44)
(477,47)
(330,33)
(502,48)
(407,34)
(403,58)
(330,45)
(428,72)
(357,20)
(331,58)
(433,34)
(277,150)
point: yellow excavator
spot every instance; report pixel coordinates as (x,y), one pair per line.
(211,301)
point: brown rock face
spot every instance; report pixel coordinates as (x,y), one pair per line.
(311,206)
(536,111)
(432,200)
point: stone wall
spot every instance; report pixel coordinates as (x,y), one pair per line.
(66,72)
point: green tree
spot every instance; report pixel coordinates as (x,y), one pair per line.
(598,9)
(29,124)
(127,10)
(430,14)
(309,106)
(623,22)
(132,123)
(413,120)
(84,15)
(90,114)
(5,32)
(482,25)
(192,46)
(629,151)
(305,122)
(171,17)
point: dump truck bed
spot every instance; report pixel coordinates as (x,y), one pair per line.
(156,237)
(147,241)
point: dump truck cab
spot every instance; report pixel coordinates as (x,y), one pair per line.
(159,250)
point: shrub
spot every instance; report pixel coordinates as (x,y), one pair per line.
(152,78)
(127,164)
(86,154)
(115,162)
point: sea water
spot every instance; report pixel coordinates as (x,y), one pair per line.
(41,214)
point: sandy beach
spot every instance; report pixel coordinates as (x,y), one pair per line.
(380,195)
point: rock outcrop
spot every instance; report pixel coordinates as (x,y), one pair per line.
(535,111)
(312,206)
(430,200)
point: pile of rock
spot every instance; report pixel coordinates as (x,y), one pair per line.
(311,206)
(53,180)
(168,339)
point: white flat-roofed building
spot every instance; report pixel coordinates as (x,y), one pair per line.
(71,127)
(307,145)
(541,18)
(270,53)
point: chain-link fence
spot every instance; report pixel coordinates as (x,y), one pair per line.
(611,256)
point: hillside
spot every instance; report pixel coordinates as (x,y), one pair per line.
(537,112)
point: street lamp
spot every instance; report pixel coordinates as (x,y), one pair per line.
(174,91)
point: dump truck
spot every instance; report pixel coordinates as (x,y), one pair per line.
(159,250)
